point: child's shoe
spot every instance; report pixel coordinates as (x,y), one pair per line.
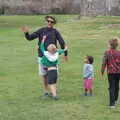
(90,94)
(85,94)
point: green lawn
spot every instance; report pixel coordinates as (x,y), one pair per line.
(20,87)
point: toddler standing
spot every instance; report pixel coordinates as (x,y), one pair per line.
(88,75)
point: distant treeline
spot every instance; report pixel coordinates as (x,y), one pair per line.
(83,7)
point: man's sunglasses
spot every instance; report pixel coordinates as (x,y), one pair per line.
(50,21)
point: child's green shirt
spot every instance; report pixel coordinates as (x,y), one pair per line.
(49,59)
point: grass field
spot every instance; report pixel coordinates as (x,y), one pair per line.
(20,87)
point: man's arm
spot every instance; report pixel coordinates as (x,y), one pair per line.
(61,42)
(32,36)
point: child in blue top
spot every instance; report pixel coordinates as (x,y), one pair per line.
(88,75)
(50,60)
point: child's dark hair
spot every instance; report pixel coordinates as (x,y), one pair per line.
(90,59)
(113,43)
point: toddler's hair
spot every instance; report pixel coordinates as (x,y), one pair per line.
(90,59)
(52,48)
(113,43)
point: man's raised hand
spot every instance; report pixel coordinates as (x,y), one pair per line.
(25,29)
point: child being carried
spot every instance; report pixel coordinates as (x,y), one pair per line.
(50,60)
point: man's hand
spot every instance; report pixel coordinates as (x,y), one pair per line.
(25,29)
(102,74)
(66,58)
(65,48)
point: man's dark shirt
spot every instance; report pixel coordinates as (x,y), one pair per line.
(111,60)
(52,37)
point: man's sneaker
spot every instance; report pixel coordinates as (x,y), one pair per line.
(116,102)
(112,106)
(50,95)
(46,94)
(56,97)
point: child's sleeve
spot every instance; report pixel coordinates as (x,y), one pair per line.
(61,51)
(42,47)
